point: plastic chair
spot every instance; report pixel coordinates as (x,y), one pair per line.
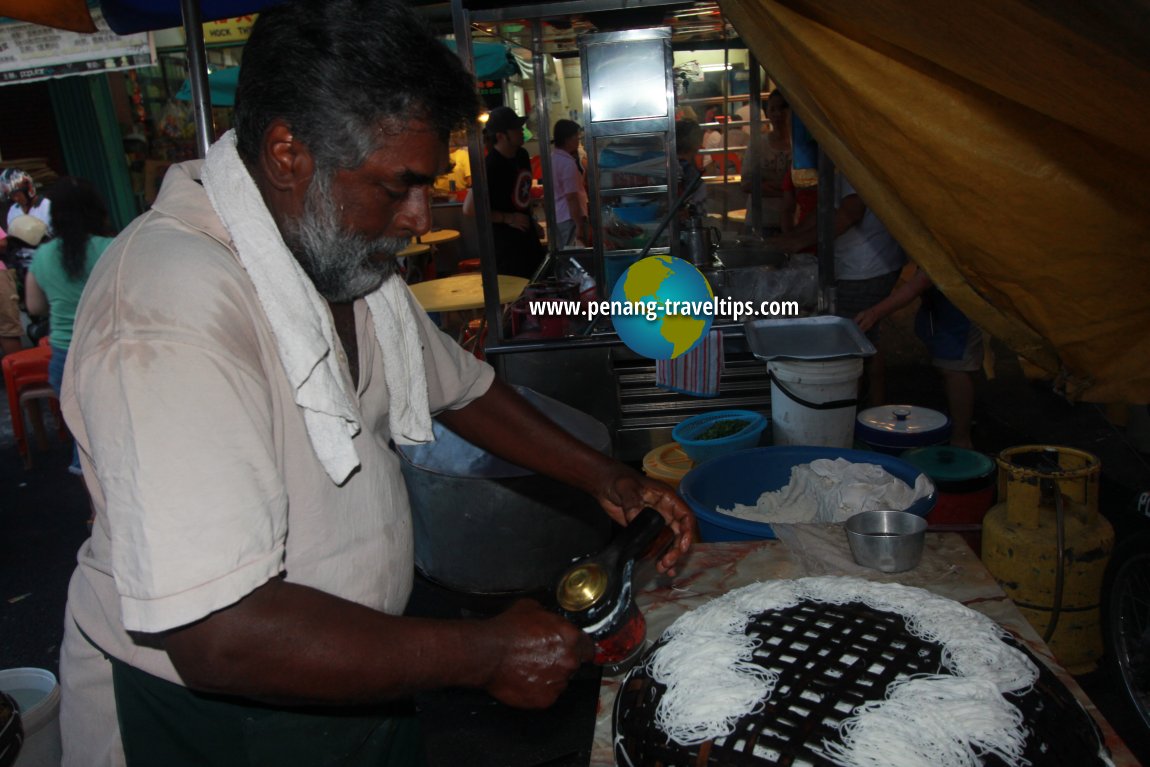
(26,381)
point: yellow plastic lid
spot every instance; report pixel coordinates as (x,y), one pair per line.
(668,463)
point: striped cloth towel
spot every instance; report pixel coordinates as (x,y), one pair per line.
(696,372)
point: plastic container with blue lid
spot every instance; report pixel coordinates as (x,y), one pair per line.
(891,429)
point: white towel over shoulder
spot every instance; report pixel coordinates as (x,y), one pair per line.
(302,325)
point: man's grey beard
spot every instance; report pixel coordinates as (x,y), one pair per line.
(343,266)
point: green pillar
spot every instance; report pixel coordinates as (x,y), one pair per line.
(91,140)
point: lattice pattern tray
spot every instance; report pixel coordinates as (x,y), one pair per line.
(831,659)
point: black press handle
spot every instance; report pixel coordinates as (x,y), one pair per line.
(639,533)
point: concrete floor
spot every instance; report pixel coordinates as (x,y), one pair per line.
(43,510)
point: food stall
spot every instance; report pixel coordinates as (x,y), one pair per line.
(634,206)
(588,367)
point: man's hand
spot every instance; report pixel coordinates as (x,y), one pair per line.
(625,492)
(867,319)
(520,221)
(539,651)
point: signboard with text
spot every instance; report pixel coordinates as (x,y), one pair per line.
(233,31)
(229,31)
(30,52)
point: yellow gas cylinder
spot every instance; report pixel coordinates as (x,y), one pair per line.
(1055,577)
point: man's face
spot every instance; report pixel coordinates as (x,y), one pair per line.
(515,137)
(777,113)
(19,197)
(355,221)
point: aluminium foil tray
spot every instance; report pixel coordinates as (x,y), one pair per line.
(806,338)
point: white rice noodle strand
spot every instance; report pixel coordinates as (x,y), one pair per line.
(943,721)
(711,680)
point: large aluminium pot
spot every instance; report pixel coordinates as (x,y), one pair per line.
(486,526)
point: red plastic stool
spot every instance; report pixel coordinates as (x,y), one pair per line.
(26,381)
(474,337)
(468,265)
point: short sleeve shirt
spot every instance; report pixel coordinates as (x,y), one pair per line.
(867,249)
(62,290)
(197,458)
(568,180)
(41,210)
(509,181)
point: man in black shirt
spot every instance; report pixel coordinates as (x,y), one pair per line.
(518,249)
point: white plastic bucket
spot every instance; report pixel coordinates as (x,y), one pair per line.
(38,695)
(817,382)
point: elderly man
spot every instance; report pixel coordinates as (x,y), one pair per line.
(242,357)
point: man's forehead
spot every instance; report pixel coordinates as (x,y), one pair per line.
(410,147)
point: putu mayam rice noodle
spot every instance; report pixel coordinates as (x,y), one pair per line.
(706,665)
(943,721)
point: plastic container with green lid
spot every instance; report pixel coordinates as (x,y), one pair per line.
(953,469)
(966,485)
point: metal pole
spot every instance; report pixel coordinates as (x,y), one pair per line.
(461,23)
(543,136)
(756,147)
(198,73)
(826,232)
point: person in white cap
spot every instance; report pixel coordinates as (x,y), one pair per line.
(18,188)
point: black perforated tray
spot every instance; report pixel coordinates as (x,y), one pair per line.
(831,659)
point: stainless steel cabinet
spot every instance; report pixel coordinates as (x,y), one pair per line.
(629,119)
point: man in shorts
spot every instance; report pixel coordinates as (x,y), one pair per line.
(955,345)
(868,262)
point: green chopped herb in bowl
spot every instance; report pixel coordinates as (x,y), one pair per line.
(720,429)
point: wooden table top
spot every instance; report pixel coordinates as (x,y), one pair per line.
(738,216)
(414,249)
(460,292)
(438,236)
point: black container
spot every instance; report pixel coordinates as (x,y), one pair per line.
(486,526)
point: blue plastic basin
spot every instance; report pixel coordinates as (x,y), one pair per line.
(699,450)
(743,476)
(640,213)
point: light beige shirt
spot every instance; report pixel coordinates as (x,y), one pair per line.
(197,458)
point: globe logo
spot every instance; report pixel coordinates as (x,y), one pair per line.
(670,307)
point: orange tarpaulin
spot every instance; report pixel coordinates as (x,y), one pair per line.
(72,15)
(1006,145)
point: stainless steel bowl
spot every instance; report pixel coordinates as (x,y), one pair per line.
(889,541)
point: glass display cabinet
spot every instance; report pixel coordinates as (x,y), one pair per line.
(629,114)
(610,65)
